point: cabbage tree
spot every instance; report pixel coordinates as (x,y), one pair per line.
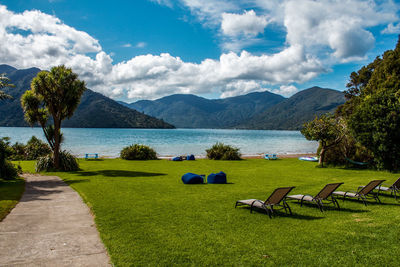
(54,95)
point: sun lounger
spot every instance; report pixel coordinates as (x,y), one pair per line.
(393,189)
(325,195)
(275,199)
(364,192)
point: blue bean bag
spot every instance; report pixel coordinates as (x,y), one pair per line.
(177,159)
(216,178)
(191,178)
(190,157)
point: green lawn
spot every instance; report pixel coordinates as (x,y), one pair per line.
(10,193)
(146,216)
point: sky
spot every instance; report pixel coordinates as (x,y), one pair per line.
(147,49)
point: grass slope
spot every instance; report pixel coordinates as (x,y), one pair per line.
(147,216)
(10,193)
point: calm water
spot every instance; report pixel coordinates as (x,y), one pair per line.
(109,142)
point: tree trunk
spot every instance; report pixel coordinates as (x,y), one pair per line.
(321,156)
(56,151)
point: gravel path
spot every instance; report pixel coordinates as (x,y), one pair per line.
(50,226)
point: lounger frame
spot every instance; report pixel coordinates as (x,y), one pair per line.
(274,200)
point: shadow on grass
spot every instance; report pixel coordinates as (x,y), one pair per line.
(369,203)
(278,213)
(330,208)
(119,173)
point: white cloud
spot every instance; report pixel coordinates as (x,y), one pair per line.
(391,29)
(341,26)
(127,45)
(285,90)
(248,24)
(49,42)
(33,38)
(141,45)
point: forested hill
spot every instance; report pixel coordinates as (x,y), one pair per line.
(94,111)
(294,111)
(261,110)
(190,111)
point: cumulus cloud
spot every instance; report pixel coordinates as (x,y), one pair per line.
(285,90)
(248,24)
(33,38)
(127,45)
(49,42)
(341,26)
(392,29)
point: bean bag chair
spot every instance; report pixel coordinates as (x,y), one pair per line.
(191,178)
(190,157)
(216,178)
(177,159)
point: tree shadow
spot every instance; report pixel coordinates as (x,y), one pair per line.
(119,173)
(55,183)
(39,190)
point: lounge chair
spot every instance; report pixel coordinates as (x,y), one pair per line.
(363,192)
(268,205)
(324,195)
(393,189)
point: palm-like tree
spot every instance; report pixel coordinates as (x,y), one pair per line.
(54,93)
(4,82)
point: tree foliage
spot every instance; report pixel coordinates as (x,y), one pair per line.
(373,113)
(327,129)
(4,82)
(54,94)
(7,170)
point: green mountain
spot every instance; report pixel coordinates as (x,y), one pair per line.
(94,111)
(294,111)
(190,111)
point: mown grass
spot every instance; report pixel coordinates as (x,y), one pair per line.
(10,193)
(147,217)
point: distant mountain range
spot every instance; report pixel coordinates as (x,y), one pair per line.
(261,110)
(94,111)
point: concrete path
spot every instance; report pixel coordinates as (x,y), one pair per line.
(50,226)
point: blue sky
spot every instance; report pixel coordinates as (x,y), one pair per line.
(145,49)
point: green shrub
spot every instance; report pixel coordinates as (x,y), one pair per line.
(17,151)
(36,148)
(219,151)
(138,152)
(7,170)
(67,162)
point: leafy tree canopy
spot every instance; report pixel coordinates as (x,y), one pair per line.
(56,94)
(373,108)
(327,130)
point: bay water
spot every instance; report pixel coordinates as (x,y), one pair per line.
(108,142)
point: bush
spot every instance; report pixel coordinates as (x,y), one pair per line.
(8,171)
(219,151)
(67,162)
(36,148)
(138,152)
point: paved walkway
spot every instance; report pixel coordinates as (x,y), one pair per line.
(50,226)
